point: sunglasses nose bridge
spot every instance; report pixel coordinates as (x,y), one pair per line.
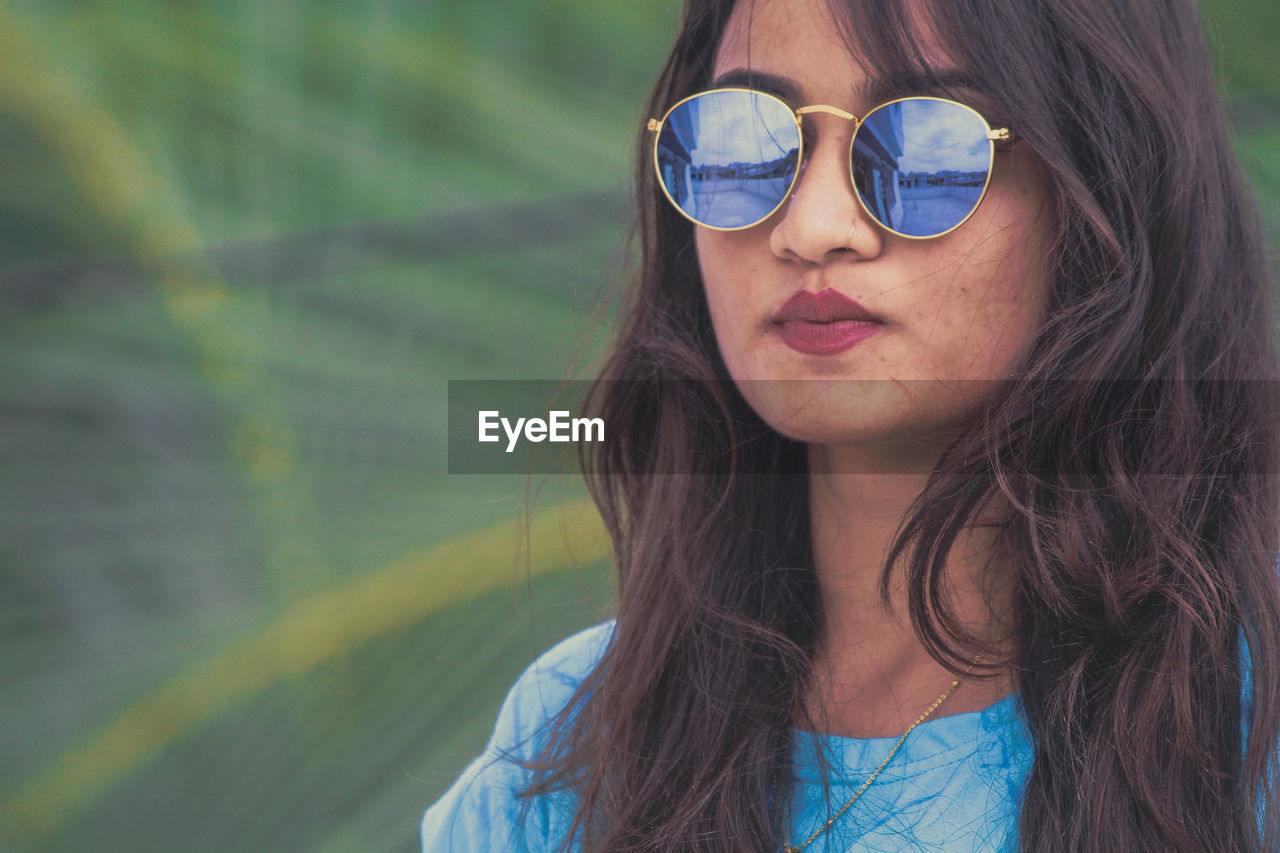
(829,110)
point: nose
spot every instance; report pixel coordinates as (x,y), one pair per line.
(822,220)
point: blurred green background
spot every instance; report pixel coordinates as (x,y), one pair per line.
(246,244)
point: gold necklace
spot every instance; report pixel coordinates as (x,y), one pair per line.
(788,848)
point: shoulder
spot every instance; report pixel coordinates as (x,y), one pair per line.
(482,810)
(548,682)
(547,685)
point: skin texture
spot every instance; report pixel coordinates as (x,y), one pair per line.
(958,312)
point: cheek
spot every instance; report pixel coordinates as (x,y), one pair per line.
(716,260)
(1026,214)
(728,269)
(1010,274)
(1014,309)
(983,310)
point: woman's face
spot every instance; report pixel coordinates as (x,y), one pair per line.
(964,306)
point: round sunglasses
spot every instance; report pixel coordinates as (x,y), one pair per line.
(728,158)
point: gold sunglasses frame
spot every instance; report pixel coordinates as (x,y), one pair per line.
(998,134)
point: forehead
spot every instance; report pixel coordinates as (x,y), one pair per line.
(784,37)
(801,41)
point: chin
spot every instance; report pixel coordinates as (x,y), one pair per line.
(879,426)
(819,410)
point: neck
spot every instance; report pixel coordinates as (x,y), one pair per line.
(872,676)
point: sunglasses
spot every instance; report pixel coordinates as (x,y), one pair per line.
(728,158)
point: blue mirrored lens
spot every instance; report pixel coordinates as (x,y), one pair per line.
(921,165)
(728,158)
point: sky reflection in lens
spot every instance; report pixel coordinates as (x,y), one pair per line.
(728,158)
(921,165)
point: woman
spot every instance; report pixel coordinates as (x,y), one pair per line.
(943,505)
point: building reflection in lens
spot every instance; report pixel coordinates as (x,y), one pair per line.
(920,165)
(728,158)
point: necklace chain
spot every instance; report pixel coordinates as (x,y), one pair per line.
(788,848)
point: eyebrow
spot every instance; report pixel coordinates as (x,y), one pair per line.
(772,83)
(870,92)
(942,81)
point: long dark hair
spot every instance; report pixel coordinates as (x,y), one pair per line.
(1137,448)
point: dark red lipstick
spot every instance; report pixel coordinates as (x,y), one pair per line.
(824,323)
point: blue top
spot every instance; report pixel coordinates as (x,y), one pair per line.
(955,783)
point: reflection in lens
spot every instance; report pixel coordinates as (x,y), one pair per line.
(921,165)
(728,158)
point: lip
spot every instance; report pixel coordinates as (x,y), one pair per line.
(825,307)
(825,323)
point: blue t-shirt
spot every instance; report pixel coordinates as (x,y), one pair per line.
(954,784)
